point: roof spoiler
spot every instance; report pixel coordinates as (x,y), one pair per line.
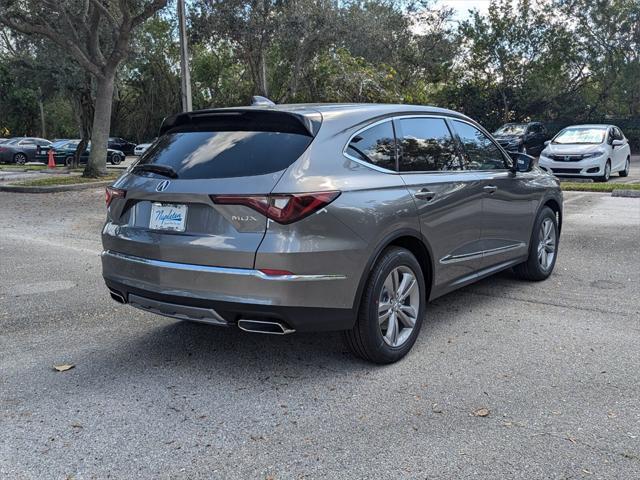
(260,119)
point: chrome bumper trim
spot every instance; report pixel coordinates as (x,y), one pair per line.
(220,270)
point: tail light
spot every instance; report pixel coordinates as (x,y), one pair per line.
(281,208)
(111,193)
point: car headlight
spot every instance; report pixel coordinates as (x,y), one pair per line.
(597,153)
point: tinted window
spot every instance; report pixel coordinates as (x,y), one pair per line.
(535,128)
(482,153)
(223,154)
(426,145)
(376,145)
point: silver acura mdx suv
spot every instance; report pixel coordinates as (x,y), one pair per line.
(346,217)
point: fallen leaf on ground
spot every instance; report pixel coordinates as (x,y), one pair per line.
(64,367)
(481,412)
(435,408)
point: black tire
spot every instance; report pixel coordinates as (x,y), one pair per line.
(116,159)
(607,173)
(627,167)
(366,340)
(532,269)
(68,161)
(20,158)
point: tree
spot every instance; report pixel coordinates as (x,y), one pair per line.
(97,35)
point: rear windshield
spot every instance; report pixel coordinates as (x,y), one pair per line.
(223,154)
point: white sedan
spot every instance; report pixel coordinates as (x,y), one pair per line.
(141,148)
(592,151)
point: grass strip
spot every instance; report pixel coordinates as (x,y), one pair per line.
(64,180)
(597,187)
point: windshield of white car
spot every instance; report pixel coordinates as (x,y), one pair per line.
(580,136)
(511,129)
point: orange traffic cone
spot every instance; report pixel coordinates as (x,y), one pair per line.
(52,161)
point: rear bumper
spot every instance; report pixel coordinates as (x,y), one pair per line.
(303,302)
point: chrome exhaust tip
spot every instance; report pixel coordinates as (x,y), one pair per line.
(117,296)
(263,326)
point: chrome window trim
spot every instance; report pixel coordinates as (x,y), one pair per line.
(246,272)
(447,119)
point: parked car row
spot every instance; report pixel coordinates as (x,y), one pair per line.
(20,150)
(64,151)
(592,151)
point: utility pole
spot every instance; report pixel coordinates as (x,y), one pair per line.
(185,75)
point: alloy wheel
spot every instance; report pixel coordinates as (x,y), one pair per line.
(546,244)
(607,171)
(398,306)
(20,158)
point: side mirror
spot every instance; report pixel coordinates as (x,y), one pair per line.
(522,162)
(547,142)
(617,143)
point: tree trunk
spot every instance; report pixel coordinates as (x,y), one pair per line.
(43,128)
(97,164)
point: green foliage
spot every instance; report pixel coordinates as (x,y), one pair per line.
(568,61)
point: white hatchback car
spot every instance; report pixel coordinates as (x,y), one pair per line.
(593,151)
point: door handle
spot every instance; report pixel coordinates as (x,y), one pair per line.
(425,194)
(490,188)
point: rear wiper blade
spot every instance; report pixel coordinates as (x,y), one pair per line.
(154,168)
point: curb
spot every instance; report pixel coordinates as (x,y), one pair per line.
(626,193)
(54,188)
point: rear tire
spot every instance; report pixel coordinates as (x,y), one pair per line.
(116,159)
(607,173)
(627,167)
(68,161)
(391,310)
(543,248)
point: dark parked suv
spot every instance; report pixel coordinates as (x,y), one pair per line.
(324,217)
(122,145)
(527,138)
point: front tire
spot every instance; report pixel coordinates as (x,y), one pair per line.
(391,310)
(69,161)
(543,248)
(116,159)
(627,167)
(607,173)
(20,158)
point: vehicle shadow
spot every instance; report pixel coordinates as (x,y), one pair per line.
(197,347)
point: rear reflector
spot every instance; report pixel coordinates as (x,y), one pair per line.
(111,193)
(281,208)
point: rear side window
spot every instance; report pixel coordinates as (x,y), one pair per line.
(426,145)
(375,145)
(481,152)
(226,153)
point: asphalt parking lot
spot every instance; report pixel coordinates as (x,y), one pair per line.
(555,363)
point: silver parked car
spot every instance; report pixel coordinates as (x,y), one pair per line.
(324,217)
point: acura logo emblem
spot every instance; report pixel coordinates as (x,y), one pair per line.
(162,186)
